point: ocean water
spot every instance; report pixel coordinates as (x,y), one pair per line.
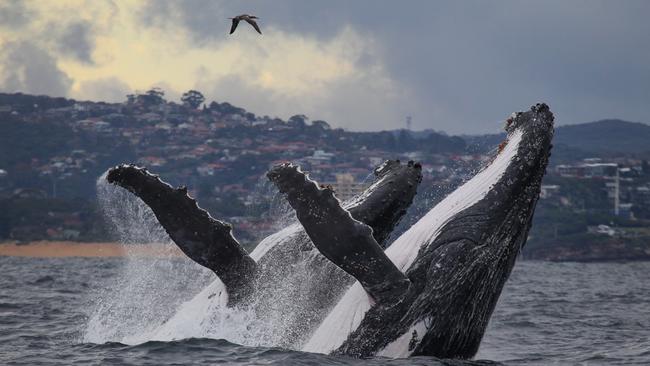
(549,313)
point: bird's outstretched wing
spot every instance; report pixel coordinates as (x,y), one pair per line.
(234,25)
(254,24)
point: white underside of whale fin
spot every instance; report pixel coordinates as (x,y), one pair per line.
(350,310)
(284,235)
(404,346)
(347,314)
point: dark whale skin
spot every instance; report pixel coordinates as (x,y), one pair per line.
(458,278)
(205,240)
(455,281)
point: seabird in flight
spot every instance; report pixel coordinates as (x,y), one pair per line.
(250,19)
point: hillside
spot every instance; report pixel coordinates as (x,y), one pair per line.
(601,138)
(606,136)
(52,150)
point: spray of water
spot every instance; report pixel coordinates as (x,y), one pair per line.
(275,208)
(147,290)
(170,297)
(274,314)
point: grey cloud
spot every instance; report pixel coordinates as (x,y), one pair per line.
(205,19)
(14,14)
(235,90)
(107,89)
(338,104)
(470,63)
(30,69)
(76,40)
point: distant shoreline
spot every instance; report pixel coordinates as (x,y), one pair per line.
(63,249)
(69,249)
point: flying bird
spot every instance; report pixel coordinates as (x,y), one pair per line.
(250,19)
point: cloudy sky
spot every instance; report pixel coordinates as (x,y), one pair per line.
(457,66)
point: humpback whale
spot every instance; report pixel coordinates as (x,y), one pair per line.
(429,292)
(285,262)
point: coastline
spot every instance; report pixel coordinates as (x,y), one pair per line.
(66,249)
(62,249)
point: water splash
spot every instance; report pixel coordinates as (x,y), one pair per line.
(273,316)
(278,211)
(169,297)
(148,290)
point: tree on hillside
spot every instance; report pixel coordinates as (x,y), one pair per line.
(226,108)
(193,98)
(321,124)
(151,97)
(154,96)
(299,120)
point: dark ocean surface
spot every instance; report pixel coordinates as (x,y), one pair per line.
(549,313)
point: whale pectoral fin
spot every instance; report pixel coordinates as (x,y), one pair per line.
(385,201)
(203,239)
(346,242)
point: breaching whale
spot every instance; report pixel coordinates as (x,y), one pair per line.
(285,277)
(430,292)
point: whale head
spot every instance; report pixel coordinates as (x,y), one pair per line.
(464,269)
(459,255)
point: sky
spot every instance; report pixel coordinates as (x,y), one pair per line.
(455,66)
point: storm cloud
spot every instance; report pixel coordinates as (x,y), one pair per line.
(470,62)
(76,40)
(13,14)
(451,65)
(30,69)
(106,89)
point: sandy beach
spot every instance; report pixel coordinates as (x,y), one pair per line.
(51,249)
